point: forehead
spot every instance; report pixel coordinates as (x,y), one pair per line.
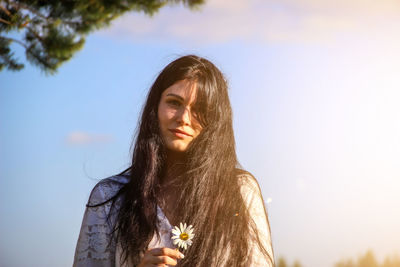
(184,89)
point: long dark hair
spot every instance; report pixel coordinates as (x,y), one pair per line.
(210,198)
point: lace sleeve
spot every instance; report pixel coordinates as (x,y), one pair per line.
(255,204)
(94,247)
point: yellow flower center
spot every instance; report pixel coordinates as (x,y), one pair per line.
(184,236)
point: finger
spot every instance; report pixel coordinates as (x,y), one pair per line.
(163,260)
(167,252)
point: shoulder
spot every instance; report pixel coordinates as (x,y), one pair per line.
(106,189)
(251,192)
(247,182)
(96,246)
(254,202)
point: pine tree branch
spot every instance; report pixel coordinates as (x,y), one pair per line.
(39,59)
(6,60)
(5,21)
(15,41)
(19,6)
(9,63)
(35,34)
(6,11)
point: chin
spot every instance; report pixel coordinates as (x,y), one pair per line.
(177,148)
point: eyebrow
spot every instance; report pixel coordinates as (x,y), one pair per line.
(175,95)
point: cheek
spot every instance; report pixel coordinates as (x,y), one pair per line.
(165,115)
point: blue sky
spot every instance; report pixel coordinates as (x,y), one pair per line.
(314,89)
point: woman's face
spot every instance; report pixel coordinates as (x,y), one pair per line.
(178,124)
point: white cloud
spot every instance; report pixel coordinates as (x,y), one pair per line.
(260,20)
(83,138)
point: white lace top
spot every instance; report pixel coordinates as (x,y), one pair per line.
(95,249)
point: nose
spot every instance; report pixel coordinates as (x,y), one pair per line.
(184,116)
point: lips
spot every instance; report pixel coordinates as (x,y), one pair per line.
(180,132)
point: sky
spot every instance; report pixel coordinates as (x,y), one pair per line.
(314,87)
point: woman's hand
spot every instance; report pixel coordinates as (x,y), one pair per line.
(160,257)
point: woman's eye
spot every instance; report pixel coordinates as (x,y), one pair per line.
(174,103)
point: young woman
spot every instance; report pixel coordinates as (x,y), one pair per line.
(184,170)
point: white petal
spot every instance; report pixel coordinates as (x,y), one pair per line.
(175,237)
(181,227)
(175,232)
(185,246)
(176,241)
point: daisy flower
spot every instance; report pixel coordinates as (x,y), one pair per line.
(182,236)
